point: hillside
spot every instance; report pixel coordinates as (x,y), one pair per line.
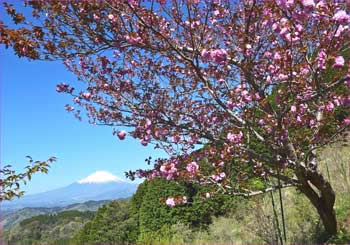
(57,228)
(13,218)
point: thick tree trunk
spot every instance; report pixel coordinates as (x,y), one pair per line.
(319,191)
(324,209)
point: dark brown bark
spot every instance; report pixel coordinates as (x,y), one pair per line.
(322,196)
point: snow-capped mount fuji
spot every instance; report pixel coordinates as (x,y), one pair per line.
(100,177)
(100,185)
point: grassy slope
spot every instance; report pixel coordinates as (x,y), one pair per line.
(255,222)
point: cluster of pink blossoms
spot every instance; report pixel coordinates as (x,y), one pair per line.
(218,56)
(69,108)
(218,177)
(168,170)
(171,201)
(145,132)
(86,95)
(242,96)
(235,138)
(321,59)
(339,62)
(342,17)
(192,168)
(133,39)
(62,87)
(286,32)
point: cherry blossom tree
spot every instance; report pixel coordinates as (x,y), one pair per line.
(231,90)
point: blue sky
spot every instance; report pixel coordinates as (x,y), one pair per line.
(34,122)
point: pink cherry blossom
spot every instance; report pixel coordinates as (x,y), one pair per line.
(205,55)
(219,55)
(235,138)
(308,3)
(330,106)
(148,124)
(215,177)
(299,28)
(121,135)
(69,108)
(86,96)
(339,62)
(218,177)
(321,4)
(337,102)
(62,87)
(347,121)
(144,142)
(168,168)
(303,108)
(289,3)
(293,108)
(312,123)
(96,17)
(170,202)
(304,70)
(277,56)
(192,168)
(133,39)
(133,3)
(230,104)
(299,119)
(321,59)
(340,30)
(342,17)
(268,54)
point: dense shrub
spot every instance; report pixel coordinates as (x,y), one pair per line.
(157,221)
(112,224)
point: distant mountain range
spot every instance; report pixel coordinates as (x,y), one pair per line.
(101,185)
(11,218)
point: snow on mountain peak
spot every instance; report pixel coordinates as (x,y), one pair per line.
(100,177)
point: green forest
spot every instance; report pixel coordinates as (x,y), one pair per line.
(220,219)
